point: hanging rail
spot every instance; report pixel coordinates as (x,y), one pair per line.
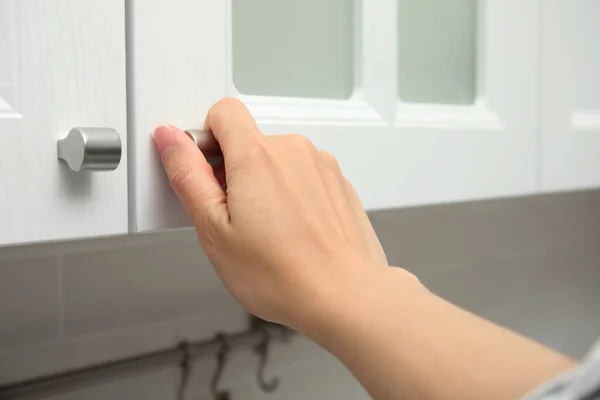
(105,372)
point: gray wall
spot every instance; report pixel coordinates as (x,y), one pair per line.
(532,264)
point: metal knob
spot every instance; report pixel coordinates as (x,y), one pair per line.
(91,149)
(207,144)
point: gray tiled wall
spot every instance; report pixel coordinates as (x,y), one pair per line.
(532,264)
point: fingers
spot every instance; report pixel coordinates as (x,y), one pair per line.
(191,177)
(234,128)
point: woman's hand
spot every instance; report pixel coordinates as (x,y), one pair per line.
(289,235)
(292,243)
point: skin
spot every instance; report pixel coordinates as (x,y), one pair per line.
(292,243)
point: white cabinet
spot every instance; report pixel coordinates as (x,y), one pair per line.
(570,100)
(472,133)
(62,65)
(422,102)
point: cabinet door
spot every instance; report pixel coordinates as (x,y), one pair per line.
(421,102)
(570,95)
(62,65)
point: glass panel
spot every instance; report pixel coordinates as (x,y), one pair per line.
(293,48)
(437,51)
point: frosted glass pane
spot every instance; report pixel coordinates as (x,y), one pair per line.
(293,48)
(436,57)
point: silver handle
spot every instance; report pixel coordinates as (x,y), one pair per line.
(207,144)
(91,149)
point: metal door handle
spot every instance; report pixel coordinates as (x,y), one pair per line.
(91,149)
(207,144)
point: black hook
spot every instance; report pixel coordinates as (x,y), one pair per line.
(186,369)
(262,349)
(222,357)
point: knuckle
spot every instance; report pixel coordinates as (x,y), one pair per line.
(208,236)
(180,177)
(329,159)
(207,221)
(300,142)
(206,215)
(226,103)
(222,109)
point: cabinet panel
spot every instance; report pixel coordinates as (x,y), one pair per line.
(62,65)
(587,54)
(570,95)
(397,152)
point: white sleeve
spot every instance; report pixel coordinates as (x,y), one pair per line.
(583,383)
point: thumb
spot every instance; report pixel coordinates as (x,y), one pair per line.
(191,178)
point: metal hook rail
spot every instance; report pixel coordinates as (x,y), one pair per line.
(101,373)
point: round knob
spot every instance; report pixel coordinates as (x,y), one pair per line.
(91,149)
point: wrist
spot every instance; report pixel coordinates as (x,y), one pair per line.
(355,300)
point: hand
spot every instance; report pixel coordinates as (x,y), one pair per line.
(290,234)
(292,243)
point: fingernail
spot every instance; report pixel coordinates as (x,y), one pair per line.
(165,137)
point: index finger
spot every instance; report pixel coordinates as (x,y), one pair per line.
(234,128)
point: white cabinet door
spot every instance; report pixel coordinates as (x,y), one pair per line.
(336,71)
(62,65)
(570,94)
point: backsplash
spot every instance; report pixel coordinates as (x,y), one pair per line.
(532,264)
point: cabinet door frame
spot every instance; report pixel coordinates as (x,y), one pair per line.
(396,154)
(570,141)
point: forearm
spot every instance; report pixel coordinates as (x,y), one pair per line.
(403,342)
